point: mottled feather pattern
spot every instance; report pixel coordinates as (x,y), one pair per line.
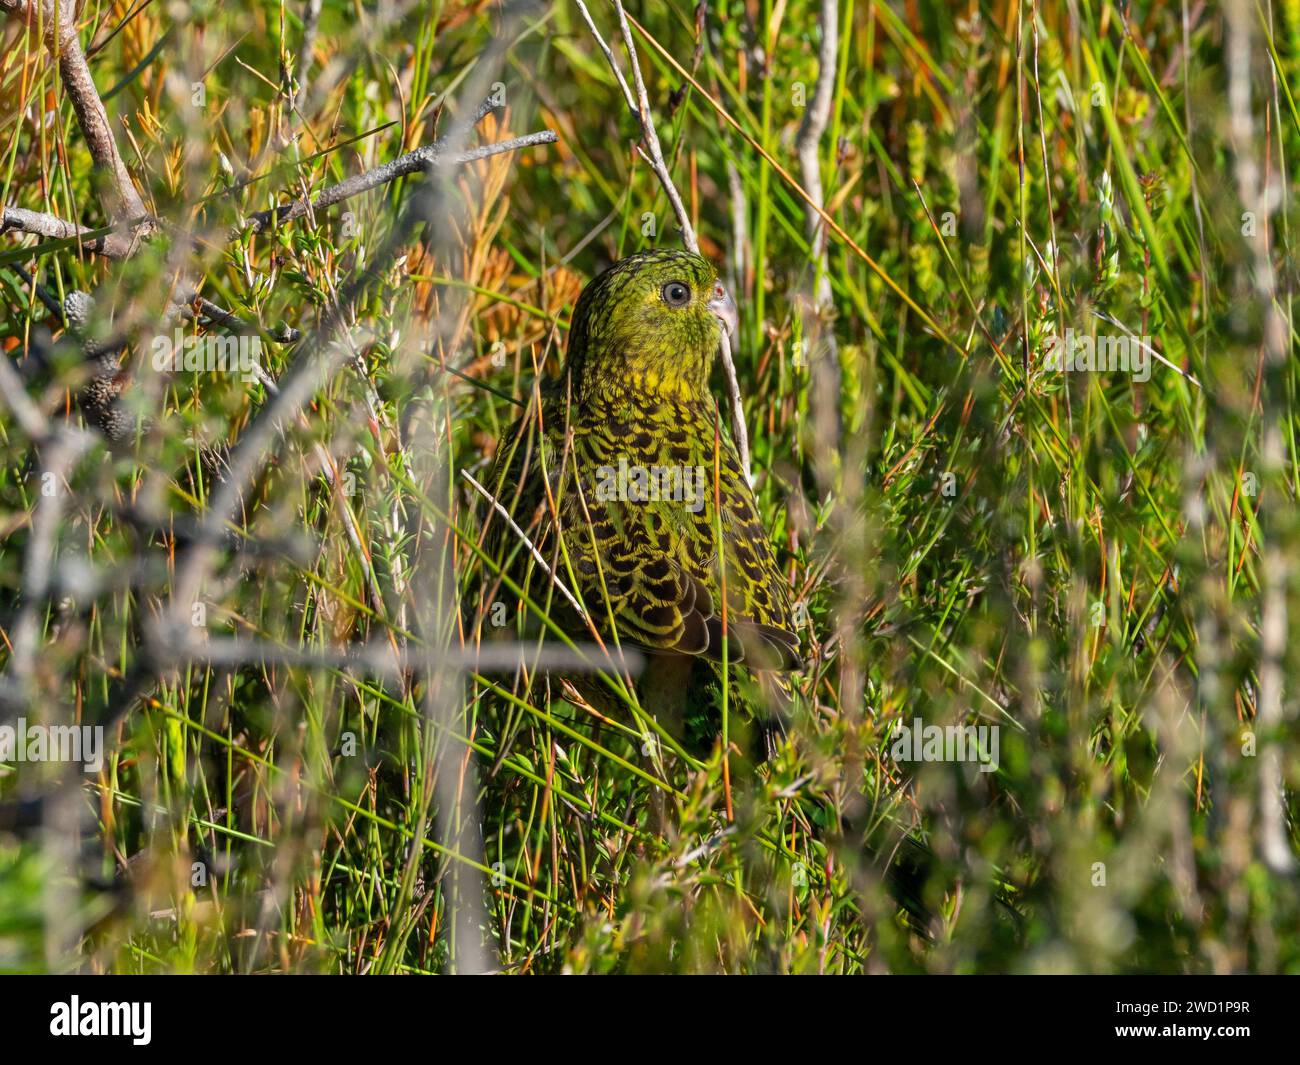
(650,560)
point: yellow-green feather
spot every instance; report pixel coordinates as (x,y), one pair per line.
(636,391)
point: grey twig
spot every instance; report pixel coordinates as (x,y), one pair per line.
(384,660)
(59,456)
(216,315)
(811,130)
(821,353)
(40,224)
(1275,567)
(56,21)
(310,23)
(646,119)
(609,58)
(14,395)
(739,259)
(116,245)
(417,161)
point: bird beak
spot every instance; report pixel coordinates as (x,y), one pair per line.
(724,309)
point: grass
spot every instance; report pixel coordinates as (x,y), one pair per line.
(1101,566)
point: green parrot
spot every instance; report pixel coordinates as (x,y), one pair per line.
(628,460)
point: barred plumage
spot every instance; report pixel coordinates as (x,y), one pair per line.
(630,454)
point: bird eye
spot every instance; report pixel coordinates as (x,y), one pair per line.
(676,294)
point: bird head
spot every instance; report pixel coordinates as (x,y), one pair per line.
(652,322)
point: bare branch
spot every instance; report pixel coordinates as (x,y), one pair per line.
(384,660)
(113,246)
(821,353)
(40,224)
(417,161)
(1275,566)
(739,259)
(56,21)
(609,58)
(310,23)
(657,163)
(14,396)
(220,316)
(809,141)
(62,451)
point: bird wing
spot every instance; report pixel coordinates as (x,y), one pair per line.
(757,593)
(621,551)
(652,566)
